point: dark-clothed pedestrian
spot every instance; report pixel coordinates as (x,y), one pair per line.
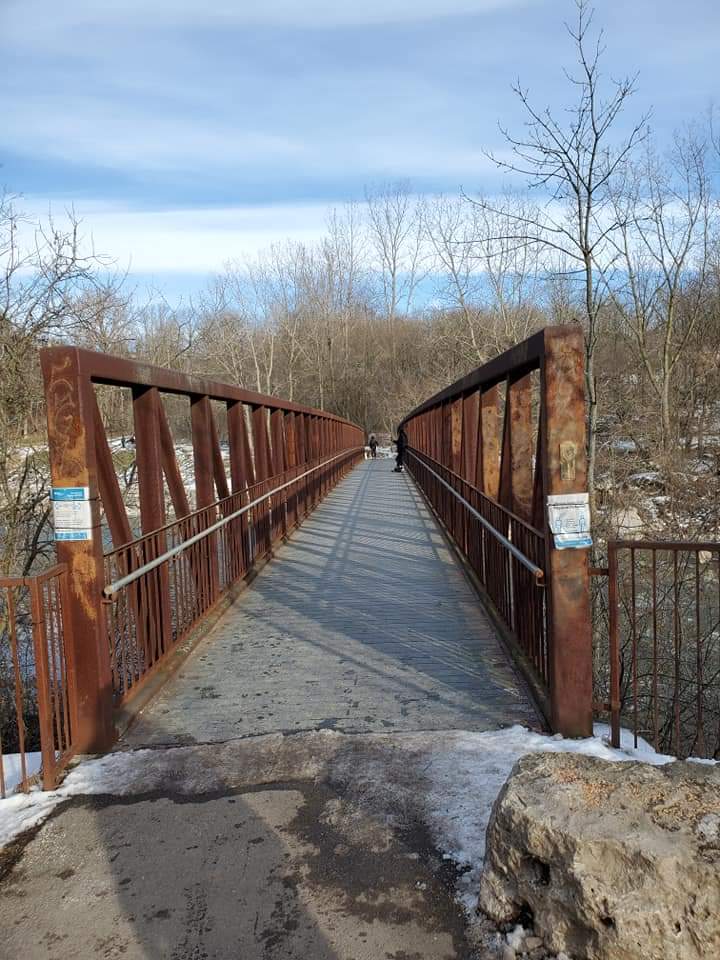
(401,444)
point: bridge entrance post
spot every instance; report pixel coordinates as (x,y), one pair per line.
(70,418)
(568,570)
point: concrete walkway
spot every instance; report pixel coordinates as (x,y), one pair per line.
(266,848)
(316,846)
(363,623)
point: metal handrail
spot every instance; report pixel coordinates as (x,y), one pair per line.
(489,500)
(536,571)
(189,517)
(112,588)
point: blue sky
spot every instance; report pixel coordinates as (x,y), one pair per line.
(186,133)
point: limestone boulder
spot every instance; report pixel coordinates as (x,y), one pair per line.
(609,861)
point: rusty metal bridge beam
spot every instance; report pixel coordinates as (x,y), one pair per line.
(70,411)
(562,386)
(459,430)
(80,457)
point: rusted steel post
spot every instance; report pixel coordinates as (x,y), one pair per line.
(488,479)
(567,571)
(263,470)
(278,468)
(278,442)
(148,446)
(200,414)
(291,440)
(300,435)
(456,425)
(471,413)
(291,464)
(69,402)
(241,470)
(519,400)
(260,443)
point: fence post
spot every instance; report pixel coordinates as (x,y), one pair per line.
(44,697)
(69,401)
(613,648)
(567,571)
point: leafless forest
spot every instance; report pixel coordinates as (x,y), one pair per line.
(599,224)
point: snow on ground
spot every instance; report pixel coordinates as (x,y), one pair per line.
(447,780)
(466,779)
(382,453)
(12,768)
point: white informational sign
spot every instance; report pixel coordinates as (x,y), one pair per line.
(72,513)
(569,520)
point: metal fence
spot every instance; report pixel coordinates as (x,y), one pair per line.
(160,586)
(657,666)
(36,686)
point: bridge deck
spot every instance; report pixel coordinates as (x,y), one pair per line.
(364,622)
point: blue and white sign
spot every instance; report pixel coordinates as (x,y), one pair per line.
(569,520)
(62,494)
(72,513)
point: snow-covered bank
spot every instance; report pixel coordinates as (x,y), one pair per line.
(459,776)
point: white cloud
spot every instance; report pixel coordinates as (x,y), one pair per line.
(132,137)
(197,240)
(124,135)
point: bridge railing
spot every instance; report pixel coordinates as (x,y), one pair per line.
(492,452)
(510,565)
(269,442)
(197,559)
(37,694)
(657,656)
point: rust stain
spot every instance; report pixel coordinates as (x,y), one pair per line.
(83,580)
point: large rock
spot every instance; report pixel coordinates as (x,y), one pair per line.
(612,861)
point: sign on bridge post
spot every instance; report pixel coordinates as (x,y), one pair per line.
(70,418)
(567,560)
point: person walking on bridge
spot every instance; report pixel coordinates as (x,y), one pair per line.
(373,444)
(401,444)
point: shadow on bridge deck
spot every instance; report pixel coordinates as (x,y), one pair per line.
(364,622)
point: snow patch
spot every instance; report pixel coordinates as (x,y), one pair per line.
(448,780)
(12,768)
(515,937)
(467,771)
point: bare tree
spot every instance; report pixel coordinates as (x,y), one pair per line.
(396,237)
(572,160)
(453,232)
(42,274)
(664,216)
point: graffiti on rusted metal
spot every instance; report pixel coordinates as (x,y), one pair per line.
(568,453)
